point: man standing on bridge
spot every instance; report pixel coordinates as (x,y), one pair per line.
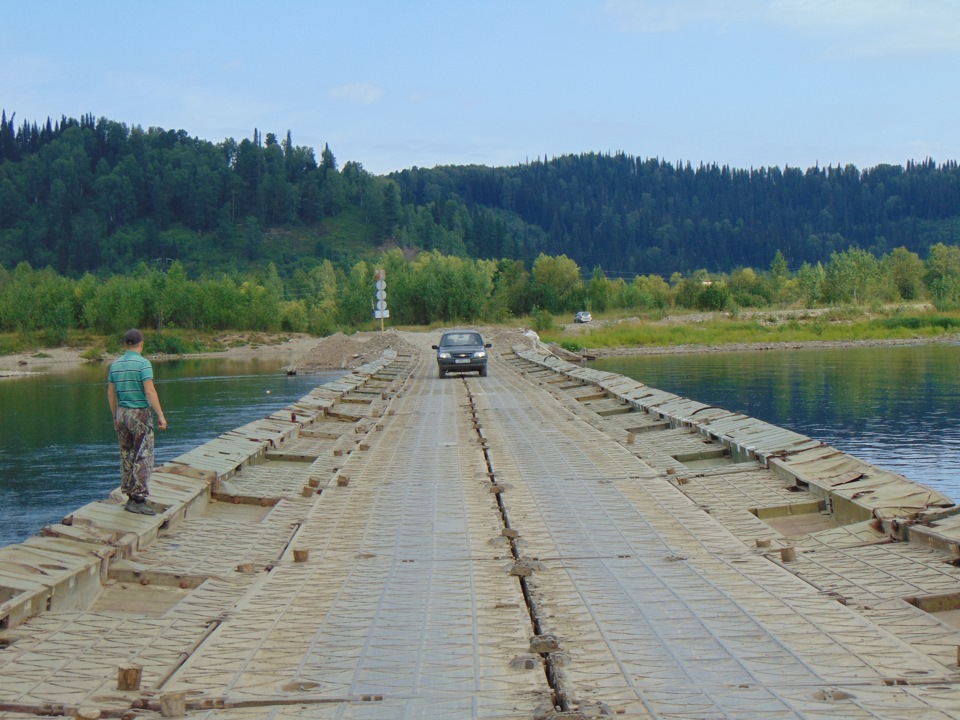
(131,394)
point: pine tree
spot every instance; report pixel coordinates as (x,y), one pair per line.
(8,142)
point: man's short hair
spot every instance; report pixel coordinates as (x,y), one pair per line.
(132,337)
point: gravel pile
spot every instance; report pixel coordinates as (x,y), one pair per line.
(345,352)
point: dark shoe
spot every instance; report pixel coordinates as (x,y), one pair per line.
(145,509)
(139,507)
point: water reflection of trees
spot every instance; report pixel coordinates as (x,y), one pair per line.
(855,388)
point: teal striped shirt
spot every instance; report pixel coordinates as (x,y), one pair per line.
(128,373)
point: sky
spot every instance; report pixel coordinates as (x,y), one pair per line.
(393,84)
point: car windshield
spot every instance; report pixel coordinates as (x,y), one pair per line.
(461,339)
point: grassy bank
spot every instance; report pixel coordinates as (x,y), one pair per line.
(606,332)
(834,326)
(168,342)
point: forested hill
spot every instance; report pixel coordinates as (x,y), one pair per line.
(651,216)
(96,195)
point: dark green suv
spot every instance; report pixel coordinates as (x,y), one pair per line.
(462,351)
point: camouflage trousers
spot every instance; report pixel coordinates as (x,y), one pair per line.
(135,433)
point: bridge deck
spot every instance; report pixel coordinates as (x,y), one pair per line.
(500,547)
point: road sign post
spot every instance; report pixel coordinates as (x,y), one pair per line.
(381,312)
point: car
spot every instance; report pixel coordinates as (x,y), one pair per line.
(582,317)
(462,351)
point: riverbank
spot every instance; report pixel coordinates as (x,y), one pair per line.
(341,352)
(951,339)
(756,331)
(51,360)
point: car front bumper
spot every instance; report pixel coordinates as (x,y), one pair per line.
(462,364)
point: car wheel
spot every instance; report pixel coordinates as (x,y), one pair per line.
(483,371)
(442,373)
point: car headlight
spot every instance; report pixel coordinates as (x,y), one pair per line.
(480,354)
(443,355)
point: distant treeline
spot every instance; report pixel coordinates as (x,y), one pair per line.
(94,195)
(633,216)
(435,287)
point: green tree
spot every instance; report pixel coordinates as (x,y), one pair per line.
(324,312)
(84,300)
(324,277)
(437,287)
(120,303)
(748,289)
(904,270)
(598,290)
(17,306)
(686,290)
(221,304)
(357,296)
(713,296)
(811,280)
(53,302)
(57,323)
(557,284)
(36,300)
(12,205)
(172,297)
(942,276)
(328,163)
(294,316)
(253,238)
(390,214)
(650,291)
(511,295)
(260,303)
(852,276)
(779,274)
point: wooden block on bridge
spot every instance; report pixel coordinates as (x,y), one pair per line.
(173,704)
(128,678)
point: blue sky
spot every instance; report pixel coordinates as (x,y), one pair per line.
(393,84)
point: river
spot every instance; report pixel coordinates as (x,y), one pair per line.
(893,406)
(58,449)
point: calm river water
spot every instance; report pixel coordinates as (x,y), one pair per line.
(58,450)
(895,407)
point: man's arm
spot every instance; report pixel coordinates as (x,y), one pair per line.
(112,399)
(151,392)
